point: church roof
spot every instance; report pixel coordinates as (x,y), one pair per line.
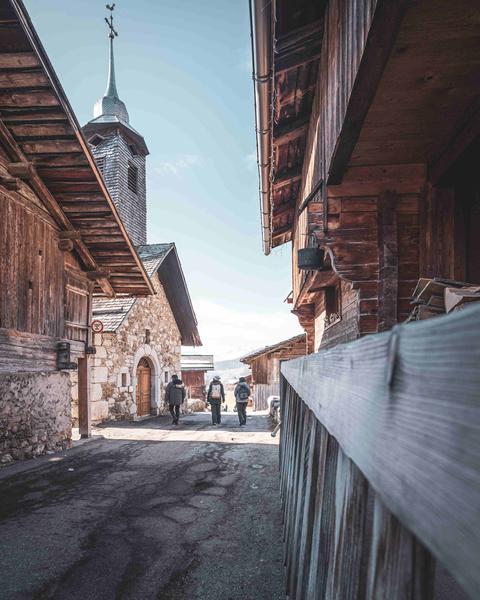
(161,259)
(152,255)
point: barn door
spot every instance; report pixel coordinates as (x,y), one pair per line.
(144,375)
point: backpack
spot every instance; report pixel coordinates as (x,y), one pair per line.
(243,393)
(216,392)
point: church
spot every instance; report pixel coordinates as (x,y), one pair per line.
(137,340)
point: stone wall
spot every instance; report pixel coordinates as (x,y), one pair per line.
(117,355)
(34,414)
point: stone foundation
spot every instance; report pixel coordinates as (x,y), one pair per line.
(35,414)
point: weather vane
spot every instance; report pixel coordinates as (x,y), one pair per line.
(109,21)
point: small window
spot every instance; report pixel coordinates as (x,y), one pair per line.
(166,376)
(124,380)
(132,149)
(96,139)
(147,336)
(132,178)
(332,305)
(100,160)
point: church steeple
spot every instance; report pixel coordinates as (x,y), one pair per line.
(110,104)
(120,151)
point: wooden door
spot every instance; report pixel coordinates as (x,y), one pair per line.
(144,374)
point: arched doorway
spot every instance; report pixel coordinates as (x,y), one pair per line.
(144,387)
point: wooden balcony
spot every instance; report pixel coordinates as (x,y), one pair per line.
(380,465)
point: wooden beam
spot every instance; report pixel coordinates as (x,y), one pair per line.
(18,60)
(27,99)
(11,183)
(285,177)
(24,170)
(282,209)
(282,134)
(281,230)
(65,245)
(16,80)
(306,201)
(381,39)
(388,261)
(298,47)
(69,235)
(296,95)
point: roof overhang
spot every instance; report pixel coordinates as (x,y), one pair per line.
(44,143)
(105,125)
(286,43)
(171,277)
(283,345)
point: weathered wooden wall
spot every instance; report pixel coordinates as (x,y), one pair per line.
(345,33)
(261,392)
(77,291)
(346,329)
(354,233)
(194,381)
(31,271)
(31,286)
(379,465)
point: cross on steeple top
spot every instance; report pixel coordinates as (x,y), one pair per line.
(109,21)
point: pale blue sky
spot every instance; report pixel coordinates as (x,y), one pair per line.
(184,71)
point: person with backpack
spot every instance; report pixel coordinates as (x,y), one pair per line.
(215,396)
(175,396)
(242,394)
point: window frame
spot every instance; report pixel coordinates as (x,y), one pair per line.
(132,178)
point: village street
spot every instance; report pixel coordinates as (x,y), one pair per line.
(150,511)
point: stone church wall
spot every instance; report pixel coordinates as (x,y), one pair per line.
(34,414)
(117,355)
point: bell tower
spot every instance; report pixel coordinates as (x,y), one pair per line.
(120,151)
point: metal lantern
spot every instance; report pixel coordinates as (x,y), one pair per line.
(63,357)
(311,259)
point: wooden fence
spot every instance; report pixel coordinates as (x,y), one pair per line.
(380,465)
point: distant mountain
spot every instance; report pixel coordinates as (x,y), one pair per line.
(229,370)
(233,363)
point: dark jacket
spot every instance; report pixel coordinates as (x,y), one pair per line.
(242,385)
(222,392)
(175,393)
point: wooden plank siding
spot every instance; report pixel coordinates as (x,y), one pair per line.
(194,381)
(379,463)
(31,272)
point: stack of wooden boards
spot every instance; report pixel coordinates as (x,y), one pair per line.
(433,297)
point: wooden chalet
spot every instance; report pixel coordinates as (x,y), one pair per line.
(368,121)
(62,241)
(194,369)
(265,366)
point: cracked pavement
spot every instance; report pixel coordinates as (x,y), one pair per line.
(152,511)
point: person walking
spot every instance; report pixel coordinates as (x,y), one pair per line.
(175,396)
(215,396)
(242,394)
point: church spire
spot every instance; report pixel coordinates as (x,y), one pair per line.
(111,84)
(110,105)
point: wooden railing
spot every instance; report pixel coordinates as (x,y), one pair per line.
(380,465)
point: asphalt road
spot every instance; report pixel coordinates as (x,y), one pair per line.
(153,511)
